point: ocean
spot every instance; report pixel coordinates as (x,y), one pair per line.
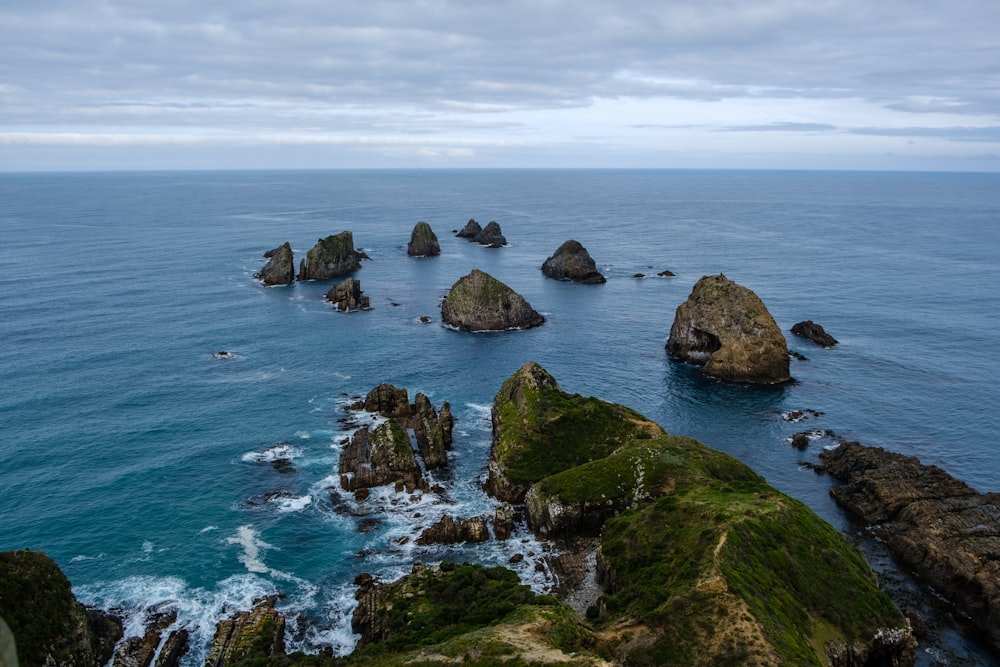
(141,460)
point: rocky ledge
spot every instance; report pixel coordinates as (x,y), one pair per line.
(280,267)
(942,528)
(423,241)
(571,261)
(331,257)
(726,329)
(480,302)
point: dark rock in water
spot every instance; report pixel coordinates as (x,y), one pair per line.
(572,262)
(347,296)
(382,456)
(284,466)
(798,355)
(814,332)
(280,268)
(423,241)
(222,354)
(480,302)
(470,231)
(726,329)
(249,637)
(331,257)
(639,275)
(424,319)
(800,440)
(938,525)
(450,531)
(490,236)
(666,273)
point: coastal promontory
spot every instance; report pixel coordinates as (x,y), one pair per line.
(423,241)
(480,302)
(726,329)
(571,261)
(331,257)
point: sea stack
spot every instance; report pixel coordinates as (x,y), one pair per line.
(572,262)
(331,257)
(480,302)
(491,236)
(280,267)
(726,329)
(423,241)
(347,296)
(470,231)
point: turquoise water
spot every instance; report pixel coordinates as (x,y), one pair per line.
(141,462)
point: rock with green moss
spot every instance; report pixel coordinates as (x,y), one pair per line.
(423,241)
(382,456)
(255,637)
(280,267)
(480,302)
(49,625)
(540,430)
(432,429)
(726,329)
(331,257)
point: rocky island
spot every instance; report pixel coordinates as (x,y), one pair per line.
(423,241)
(480,302)
(571,261)
(331,257)
(280,267)
(346,296)
(726,329)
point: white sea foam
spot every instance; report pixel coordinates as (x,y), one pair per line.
(82,557)
(293,504)
(280,451)
(207,529)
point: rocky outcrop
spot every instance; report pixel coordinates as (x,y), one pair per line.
(814,332)
(139,651)
(471,230)
(49,625)
(572,262)
(480,302)
(382,456)
(934,523)
(249,637)
(451,531)
(726,329)
(347,296)
(389,401)
(432,429)
(331,257)
(503,521)
(423,241)
(490,236)
(280,267)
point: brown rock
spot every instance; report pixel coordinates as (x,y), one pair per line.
(280,268)
(814,332)
(255,635)
(480,302)
(331,257)
(382,456)
(470,231)
(423,241)
(347,296)
(450,531)
(572,262)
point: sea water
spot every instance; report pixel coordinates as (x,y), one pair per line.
(141,460)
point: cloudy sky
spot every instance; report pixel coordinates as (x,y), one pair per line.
(817,84)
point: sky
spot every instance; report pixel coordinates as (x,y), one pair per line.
(306,84)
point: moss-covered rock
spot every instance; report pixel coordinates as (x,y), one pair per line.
(331,257)
(423,241)
(726,329)
(480,302)
(382,456)
(280,267)
(255,637)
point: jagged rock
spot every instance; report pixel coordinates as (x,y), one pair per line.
(49,625)
(139,651)
(934,523)
(480,302)
(450,531)
(800,440)
(346,296)
(490,236)
(572,262)
(249,636)
(331,257)
(814,332)
(280,268)
(726,329)
(174,648)
(890,647)
(429,430)
(470,231)
(382,456)
(423,241)
(503,521)
(389,401)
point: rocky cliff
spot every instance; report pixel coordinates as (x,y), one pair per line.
(280,267)
(331,257)
(480,302)
(934,523)
(423,241)
(571,261)
(726,329)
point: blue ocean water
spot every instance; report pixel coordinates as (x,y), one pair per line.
(140,461)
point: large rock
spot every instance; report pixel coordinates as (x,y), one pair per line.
(726,329)
(347,296)
(49,625)
(480,302)
(423,241)
(490,236)
(932,522)
(331,257)
(451,531)
(432,429)
(814,332)
(249,637)
(572,262)
(382,456)
(280,267)
(471,230)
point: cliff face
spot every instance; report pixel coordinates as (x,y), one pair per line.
(572,262)
(280,267)
(726,329)
(331,257)
(480,302)
(423,241)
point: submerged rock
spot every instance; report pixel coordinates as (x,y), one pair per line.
(346,296)
(572,262)
(490,236)
(480,302)
(423,241)
(726,329)
(470,231)
(331,257)
(280,268)
(814,332)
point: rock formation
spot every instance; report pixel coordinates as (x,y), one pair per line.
(423,241)
(480,302)
(572,262)
(726,329)
(470,231)
(249,637)
(432,429)
(932,522)
(450,531)
(490,236)
(331,257)
(280,267)
(347,296)
(139,651)
(814,332)
(382,456)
